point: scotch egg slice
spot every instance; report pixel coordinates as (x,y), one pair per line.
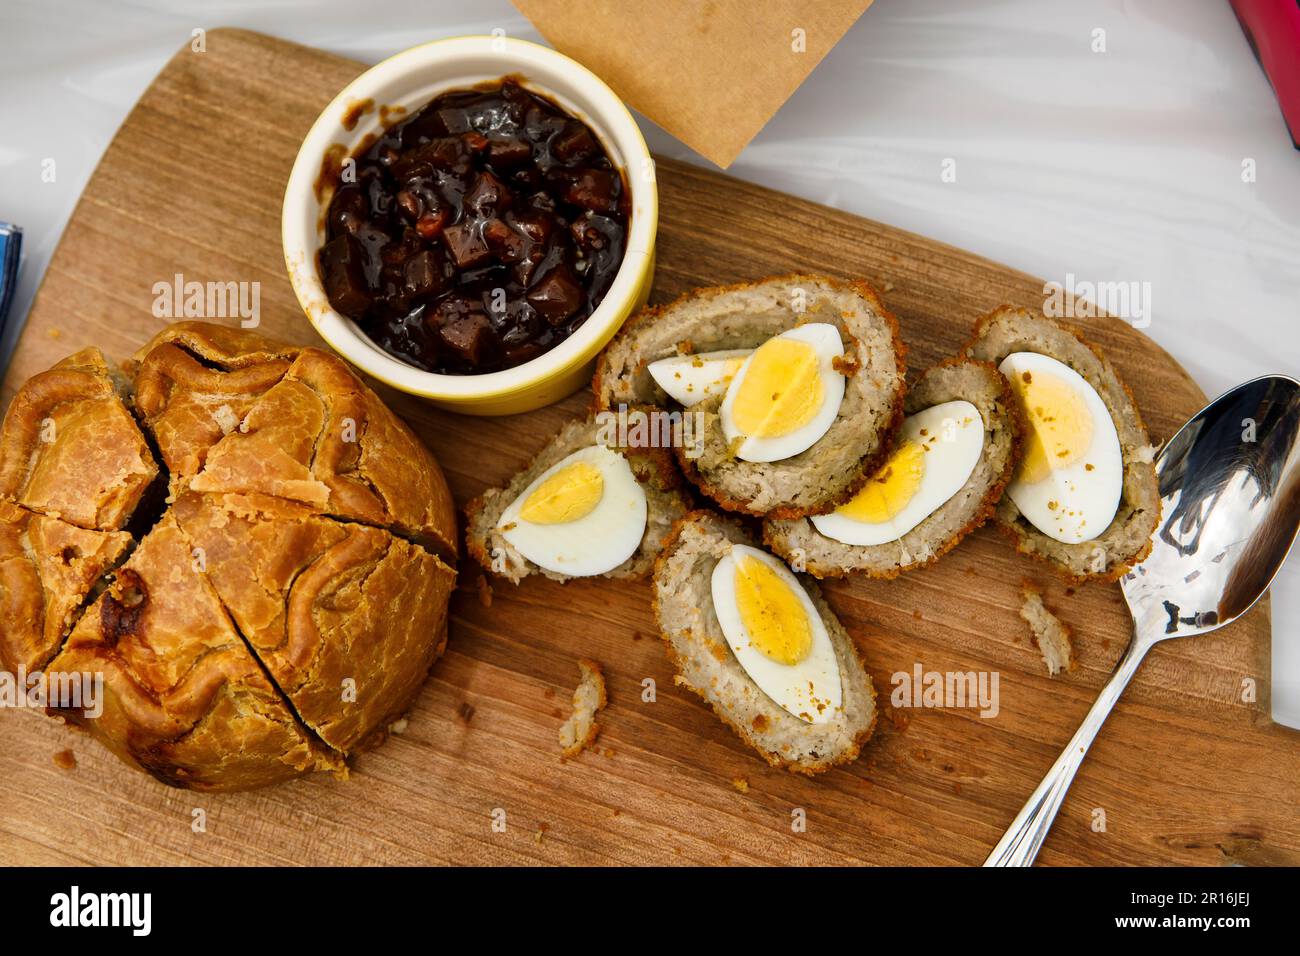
(937,451)
(785,395)
(776,634)
(1071,477)
(585,515)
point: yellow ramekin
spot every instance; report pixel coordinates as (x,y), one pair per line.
(401,85)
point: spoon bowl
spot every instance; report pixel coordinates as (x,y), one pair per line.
(1230,497)
(1230,507)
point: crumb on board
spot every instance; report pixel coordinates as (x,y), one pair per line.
(741,784)
(580,730)
(899,718)
(1050,632)
(65,760)
(399,726)
(484,591)
(465,712)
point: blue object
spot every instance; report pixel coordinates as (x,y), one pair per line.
(11,242)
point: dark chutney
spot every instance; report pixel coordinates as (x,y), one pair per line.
(478,233)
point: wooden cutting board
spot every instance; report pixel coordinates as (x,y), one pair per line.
(1185,772)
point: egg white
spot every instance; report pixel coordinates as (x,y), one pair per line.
(797,688)
(597,542)
(689,379)
(952,436)
(825,340)
(1085,501)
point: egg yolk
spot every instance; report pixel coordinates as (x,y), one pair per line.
(571,493)
(781,390)
(772,613)
(890,489)
(1060,425)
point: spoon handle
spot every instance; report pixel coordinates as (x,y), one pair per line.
(1019,845)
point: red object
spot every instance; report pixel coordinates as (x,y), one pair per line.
(1273,29)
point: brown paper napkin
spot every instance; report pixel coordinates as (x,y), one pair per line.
(711,72)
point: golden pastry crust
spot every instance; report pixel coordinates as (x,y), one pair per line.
(220,345)
(194,384)
(340,614)
(322,438)
(248,638)
(47,570)
(183,699)
(70,449)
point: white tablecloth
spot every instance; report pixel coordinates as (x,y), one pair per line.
(1123,165)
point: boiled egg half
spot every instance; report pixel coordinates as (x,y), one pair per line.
(1070,479)
(785,395)
(690,379)
(936,453)
(584,515)
(773,628)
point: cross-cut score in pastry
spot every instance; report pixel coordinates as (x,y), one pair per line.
(324,602)
(70,449)
(183,698)
(287,633)
(323,438)
(194,384)
(48,570)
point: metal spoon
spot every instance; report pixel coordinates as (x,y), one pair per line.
(1230,506)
